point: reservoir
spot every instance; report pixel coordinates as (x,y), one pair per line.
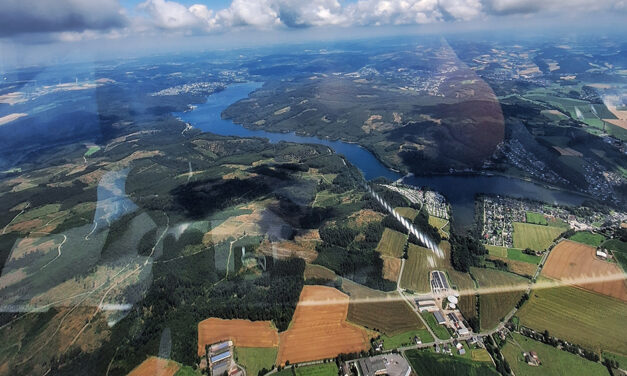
(460,190)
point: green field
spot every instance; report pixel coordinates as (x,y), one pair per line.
(440,331)
(406,338)
(497,250)
(91,150)
(553,361)
(392,243)
(426,363)
(409,213)
(535,237)
(187,371)
(537,218)
(441,224)
(594,321)
(589,238)
(254,359)
(480,355)
(518,255)
(324,369)
(416,271)
(620,251)
(494,306)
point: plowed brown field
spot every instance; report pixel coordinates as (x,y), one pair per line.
(572,260)
(243,333)
(319,329)
(154,366)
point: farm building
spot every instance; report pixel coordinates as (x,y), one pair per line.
(439,284)
(219,347)
(601,254)
(439,317)
(220,357)
(372,366)
(532,358)
(388,364)
(426,305)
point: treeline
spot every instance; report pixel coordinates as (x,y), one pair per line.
(465,252)
(499,360)
(546,338)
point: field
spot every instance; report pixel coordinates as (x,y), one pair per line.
(392,243)
(417,266)
(426,363)
(391,268)
(387,313)
(495,305)
(588,238)
(480,355)
(91,150)
(585,318)
(536,218)
(572,260)
(155,366)
(535,237)
(313,271)
(405,338)
(441,224)
(439,330)
(497,250)
(254,359)
(619,249)
(468,299)
(324,369)
(243,333)
(409,213)
(553,361)
(518,267)
(319,329)
(518,255)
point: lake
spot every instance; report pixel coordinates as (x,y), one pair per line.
(460,190)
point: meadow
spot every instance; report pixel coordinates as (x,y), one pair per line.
(254,359)
(405,338)
(591,320)
(589,238)
(535,237)
(428,363)
(554,362)
(407,212)
(439,330)
(518,255)
(324,369)
(536,218)
(620,250)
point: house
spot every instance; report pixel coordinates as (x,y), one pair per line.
(417,340)
(461,351)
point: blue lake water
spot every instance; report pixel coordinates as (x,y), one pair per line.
(460,190)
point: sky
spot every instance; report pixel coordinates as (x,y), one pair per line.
(29,27)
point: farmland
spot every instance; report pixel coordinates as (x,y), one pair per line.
(155,366)
(572,260)
(579,316)
(536,218)
(409,213)
(439,330)
(405,338)
(392,243)
(498,251)
(553,361)
(493,306)
(254,359)
(589,238)
(417,266)
(522,268)
(324,369)
(620,250)
(427,363)
(319,329)
(243,333)
(518,255)
(535,237)
(388,313)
